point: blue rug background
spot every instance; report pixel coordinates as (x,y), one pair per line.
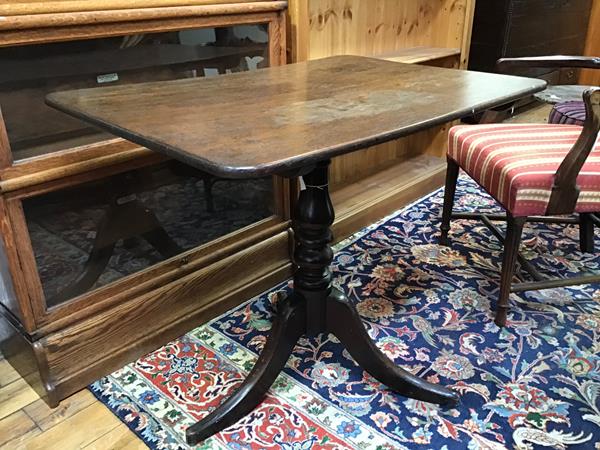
(533,384)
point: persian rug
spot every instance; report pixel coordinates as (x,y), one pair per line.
(532,385)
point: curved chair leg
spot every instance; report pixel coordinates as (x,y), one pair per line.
(449,193)
(346,324)
(514,231)
(288,326)
(586,233)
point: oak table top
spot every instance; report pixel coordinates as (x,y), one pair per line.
(282,118)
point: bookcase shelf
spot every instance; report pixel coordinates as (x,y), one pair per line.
(421,55)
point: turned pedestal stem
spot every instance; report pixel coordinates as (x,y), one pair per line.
(314,307)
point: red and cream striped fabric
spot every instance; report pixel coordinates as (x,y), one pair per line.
(516,163)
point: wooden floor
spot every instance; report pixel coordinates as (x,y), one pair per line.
(82,422)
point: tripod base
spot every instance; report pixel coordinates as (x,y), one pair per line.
(314,307)
(342,320)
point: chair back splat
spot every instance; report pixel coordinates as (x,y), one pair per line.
(565,191)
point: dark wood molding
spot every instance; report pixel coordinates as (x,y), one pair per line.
(36,7)
(508,65)
(74,32)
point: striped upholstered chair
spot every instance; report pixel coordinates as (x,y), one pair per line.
(535,172)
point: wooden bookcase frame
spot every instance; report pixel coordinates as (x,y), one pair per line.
(61,349)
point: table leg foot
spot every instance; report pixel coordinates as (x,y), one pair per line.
(345,323)
(289,325)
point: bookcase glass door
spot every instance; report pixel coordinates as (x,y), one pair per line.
(28,73)
(90,235)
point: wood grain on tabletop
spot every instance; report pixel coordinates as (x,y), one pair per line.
(281,118)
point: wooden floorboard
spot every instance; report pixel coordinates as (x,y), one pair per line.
(17,425)
(7,373)
(81,421)
(15,396)
(21,441)
(46,418)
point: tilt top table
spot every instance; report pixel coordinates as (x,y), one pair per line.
(291,120)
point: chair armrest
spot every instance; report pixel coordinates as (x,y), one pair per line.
(565,191)
(506,65)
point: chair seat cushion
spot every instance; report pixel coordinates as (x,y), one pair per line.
(568,113)
(516,163)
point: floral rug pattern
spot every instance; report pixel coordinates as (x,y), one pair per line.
(532,385)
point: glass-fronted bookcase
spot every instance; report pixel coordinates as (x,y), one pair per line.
(108,249)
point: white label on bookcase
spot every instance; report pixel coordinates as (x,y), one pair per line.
(107,78)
